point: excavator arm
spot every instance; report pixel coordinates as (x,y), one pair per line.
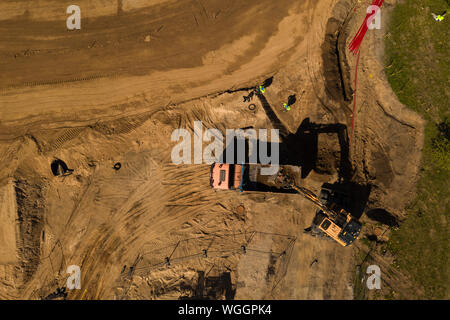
(308,194)
(344,232)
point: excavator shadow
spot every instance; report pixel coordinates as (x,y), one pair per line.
(301,148)
(350,196)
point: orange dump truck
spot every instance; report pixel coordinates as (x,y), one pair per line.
(249,177)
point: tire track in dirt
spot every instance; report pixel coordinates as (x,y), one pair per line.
(151,207)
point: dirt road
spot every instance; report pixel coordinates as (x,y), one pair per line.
(191,53)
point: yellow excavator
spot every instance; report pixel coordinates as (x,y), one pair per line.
(330,220)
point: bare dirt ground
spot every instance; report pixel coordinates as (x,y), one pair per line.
(116,89)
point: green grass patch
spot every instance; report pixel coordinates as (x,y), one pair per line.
(417,67)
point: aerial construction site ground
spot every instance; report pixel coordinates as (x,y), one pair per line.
(114,90)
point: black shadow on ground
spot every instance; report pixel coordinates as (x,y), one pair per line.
(382,216)
(60,168)
(212,287)
(301,147)
(350,196)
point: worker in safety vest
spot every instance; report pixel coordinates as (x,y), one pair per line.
(262,89)
(439,17)
(286,107)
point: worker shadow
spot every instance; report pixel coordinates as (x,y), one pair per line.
(301,148)
(268,82)
(292,99)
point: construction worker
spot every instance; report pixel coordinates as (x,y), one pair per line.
(262,89)
(439,17)
(286,107)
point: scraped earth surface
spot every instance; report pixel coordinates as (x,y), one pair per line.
(115,90)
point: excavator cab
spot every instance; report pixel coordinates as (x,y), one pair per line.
(337,223)
(345,234)
(350,232)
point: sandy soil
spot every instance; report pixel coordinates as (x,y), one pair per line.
(116,89)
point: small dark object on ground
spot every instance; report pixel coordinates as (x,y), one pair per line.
(291,100)
(59,293)
(59,168)
(252,106)
(117,166)
(240,209)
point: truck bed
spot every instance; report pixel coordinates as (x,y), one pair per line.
(253,180)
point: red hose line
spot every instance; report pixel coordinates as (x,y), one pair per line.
(354,47)
(359,37)
(354,102)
